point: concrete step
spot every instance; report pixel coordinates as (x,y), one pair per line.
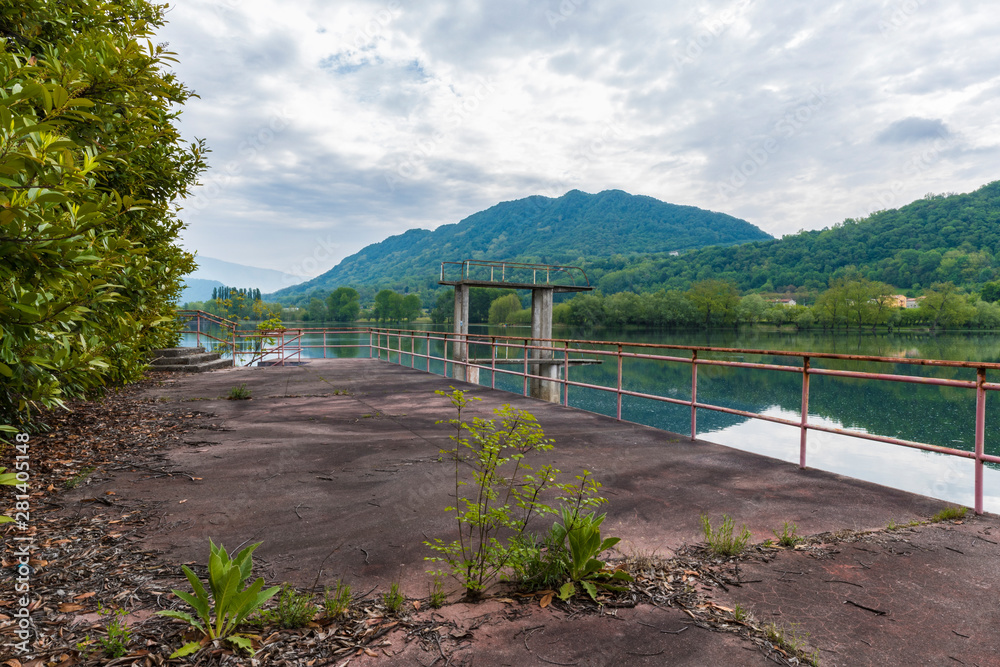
(187,359)
(178,351)
(201,367)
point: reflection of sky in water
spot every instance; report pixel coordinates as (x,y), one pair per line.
(935,475)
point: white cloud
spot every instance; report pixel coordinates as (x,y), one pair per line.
(356,120)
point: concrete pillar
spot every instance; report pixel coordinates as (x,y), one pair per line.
(541,327)
(459,346)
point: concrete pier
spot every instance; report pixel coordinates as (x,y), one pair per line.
(353,483)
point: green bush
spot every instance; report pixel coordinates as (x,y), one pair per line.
(294,610)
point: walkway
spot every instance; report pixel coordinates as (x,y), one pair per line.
(334,465)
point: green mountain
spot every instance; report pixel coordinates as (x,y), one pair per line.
(935,239)
(538,229)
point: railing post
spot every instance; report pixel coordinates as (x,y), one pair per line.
(694,394)
(413,359)
(427,349)
(370,341)
(324,343)
(619,390)
(493,356)
(445,359)
(566,376)
(980,435)
(805,412)
(526,367)
(197,337)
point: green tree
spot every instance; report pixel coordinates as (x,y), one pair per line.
(943,305)
(502,309)
(444,307)
(344,304)
(316,311)
(716,300)
(389,306)
(751,309)
(91,168)
(410,307)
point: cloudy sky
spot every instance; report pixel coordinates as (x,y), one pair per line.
(335,124)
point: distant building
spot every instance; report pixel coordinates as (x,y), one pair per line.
(914,303)
(675,253)
(783,302)
(898,300)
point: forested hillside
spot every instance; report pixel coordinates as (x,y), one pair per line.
(569,229)
(938,238)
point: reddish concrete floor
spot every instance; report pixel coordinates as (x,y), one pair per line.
(351,483)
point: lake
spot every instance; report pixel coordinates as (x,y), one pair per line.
(932,414)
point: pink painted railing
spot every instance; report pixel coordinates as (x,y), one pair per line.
(420,345)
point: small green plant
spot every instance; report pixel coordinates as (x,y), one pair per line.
(294,610)
(229,604)
(7,479)
(116,642)
(582,532)
(788,537)
(506,492)
(949,514)
(336,604)
(239,393)
(438,595)
(393,600)
(539,563)
(741,614)
(77,479)
(722,542)
(792,641)
(892,525)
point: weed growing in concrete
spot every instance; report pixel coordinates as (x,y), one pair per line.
(294,610)
(505,493)
(239,393)
(741,614)
(338,603)
(438,595)
(949,514)
(393,600)
(791,641)
(116,642)
(722,542)
(78,478)
(219,614)
(787,537)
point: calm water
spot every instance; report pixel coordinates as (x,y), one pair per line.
(936,415)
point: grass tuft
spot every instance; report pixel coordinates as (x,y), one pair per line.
(239,393)
(722,542)
(950,514)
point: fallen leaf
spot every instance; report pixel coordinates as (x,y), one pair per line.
(67,608)
(370,653)
(416,605)
(693,573)
(109,493)
(13,662)
(182,501)
(84,596)
(546,599)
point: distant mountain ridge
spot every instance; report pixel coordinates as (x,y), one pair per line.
(562,230)
(240,275)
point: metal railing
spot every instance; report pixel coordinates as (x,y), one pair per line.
(512,356)
(514,272)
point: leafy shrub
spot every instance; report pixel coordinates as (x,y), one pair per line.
(582,532)
(947,514)
(230,603)
(116,642)
(722,542)
(505,494)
